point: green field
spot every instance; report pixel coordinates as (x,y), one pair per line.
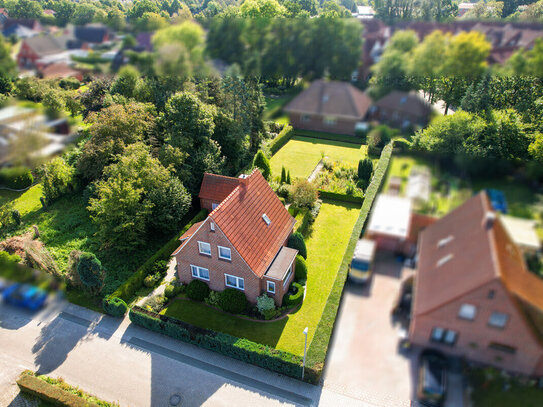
(326,246)
(301,155)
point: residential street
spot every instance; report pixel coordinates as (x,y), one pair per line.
(119,362)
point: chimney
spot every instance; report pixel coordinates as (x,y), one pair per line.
(490,218)
(244,180)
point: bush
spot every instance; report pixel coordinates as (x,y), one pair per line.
(173,290)
(16,177)
(283,191)
(365,169)
(232,300)
(155,303)
(283,175)
(16,215)
(296,241)
(114,306)
(213,299)
(263,163)
(296,298)
(160,267)
(69,83)
(401,145)
(282,139)
(152,280)
(374,142)
(265,304)
(303,194)
(197,290)
(91,272)
(300,273)
(231,346)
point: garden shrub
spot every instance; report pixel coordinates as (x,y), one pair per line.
(296,241)
(197,290)
(283,175)
(69,83)
(155,303)
(264,304)
(90,271)
(16,215)
(213,298)
(401,145)
(303,194)
(283,191)
(16,177)
(263,164)
(283,138)
(152,280)
(159,267)
(292,300)
(114,306)
(173,290)
(232,300)
(365,169)
(237,348)
(300,273)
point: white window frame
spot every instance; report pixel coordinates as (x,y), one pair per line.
(270,284)
(195,271)
(214,205)
(499,315)
(223,257)
(200,244)
(467,311)
(289,273)
(238,279)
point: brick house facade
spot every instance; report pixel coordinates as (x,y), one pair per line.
(236,246)
(473,296)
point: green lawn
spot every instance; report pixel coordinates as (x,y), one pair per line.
(66,226)
(274,105)
(301,154)
(326,246)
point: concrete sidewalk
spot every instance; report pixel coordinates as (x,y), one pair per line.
(121,362)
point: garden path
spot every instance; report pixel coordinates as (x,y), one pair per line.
(170,274)
(316,171)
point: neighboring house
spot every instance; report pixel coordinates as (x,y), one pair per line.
(463,8)
(329,106)
(242,243)
(375,36)
(58,70)
(36,48)
(21,27)
(473,296)
(3,15)
(89,35)
(401,110)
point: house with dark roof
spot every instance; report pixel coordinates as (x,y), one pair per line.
(242,242)
(401,110)
(473,295)
(89,35)
(329,106)
(35,48)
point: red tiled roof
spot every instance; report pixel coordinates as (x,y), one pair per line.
(240,218)
(331,98)
(476,255)
(217,187)
(184,238)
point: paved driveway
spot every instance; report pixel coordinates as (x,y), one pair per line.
(364,361)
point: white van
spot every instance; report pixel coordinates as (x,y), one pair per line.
(361,266)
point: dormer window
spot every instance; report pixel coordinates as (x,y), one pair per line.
(444,241)
(266,219)
(212,226)
(444,260)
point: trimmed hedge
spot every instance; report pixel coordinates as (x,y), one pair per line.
(296,241)
(316,354)
(294,299)
(335,196)
(282,138)
(56,392)
(238,348)
(16,177)
(232,300)
(300,271)
(127,290)
(114,306)
(344,138)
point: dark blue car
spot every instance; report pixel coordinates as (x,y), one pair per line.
(25,295)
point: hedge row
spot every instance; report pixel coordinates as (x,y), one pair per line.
(238,348)
(340,197)
(316,354)
(344,138)
(294,299)
(51,393)
(128,289)
(282,138)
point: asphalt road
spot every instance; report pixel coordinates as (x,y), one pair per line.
(120,362)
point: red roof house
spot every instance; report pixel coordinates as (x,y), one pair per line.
(473,295)
(242,243)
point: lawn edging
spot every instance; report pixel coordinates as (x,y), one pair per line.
(57,392)
(241,349)
(318,348)
(126,291)
(336,196)
(282,138)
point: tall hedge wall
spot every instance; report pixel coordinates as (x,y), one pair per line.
(316,354)
(238,348)
(282,138)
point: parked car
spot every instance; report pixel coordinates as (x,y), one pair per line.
(25,295)
(432,385)
(404,300)
(361,266)
(3,285)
